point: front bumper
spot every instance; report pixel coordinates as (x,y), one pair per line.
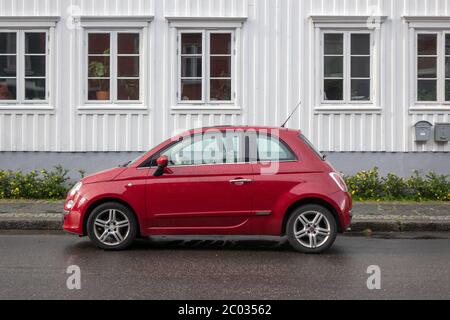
(73,223)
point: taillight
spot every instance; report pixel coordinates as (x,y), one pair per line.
(337,177)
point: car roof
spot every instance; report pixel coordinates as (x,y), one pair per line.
(255,128)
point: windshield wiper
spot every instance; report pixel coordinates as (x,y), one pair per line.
(125,164)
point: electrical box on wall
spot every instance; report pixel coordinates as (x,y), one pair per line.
(442,132)
(423,131)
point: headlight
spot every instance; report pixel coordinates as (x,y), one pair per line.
(70,204)
(75,189)
(337,177)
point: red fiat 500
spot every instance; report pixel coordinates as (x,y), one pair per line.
(216,181)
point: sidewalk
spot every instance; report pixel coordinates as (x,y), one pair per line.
(378,217)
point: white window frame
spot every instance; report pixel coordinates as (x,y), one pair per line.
(440,66)
(113,77)
(21,100)
(347,24)
(347,56)
(206,67)
(423,25)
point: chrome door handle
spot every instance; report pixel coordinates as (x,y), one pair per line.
(241,181)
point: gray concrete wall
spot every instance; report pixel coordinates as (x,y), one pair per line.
(348,162)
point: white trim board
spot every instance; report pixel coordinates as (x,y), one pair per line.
(114,21)
(29,21)
(205,22)
(329,21)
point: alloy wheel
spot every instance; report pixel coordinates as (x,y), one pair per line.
(111,227)
(312,229)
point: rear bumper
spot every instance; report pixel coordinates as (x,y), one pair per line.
(344,203)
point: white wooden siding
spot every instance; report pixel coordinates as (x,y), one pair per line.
(277,71)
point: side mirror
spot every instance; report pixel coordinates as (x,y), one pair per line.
(162,163)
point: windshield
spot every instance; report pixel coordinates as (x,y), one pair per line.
(313,148)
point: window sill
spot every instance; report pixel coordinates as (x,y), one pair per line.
(369,108)
(105,108)
(430,108)
(211,108)
(25,107)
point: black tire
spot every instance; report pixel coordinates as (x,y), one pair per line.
(94,231)
(309,212)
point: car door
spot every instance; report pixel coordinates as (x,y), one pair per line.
(275,169)
(206,189)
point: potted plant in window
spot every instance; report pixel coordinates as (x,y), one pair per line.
(99,69)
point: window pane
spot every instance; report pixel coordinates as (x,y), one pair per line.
(334,43)
(128,89)
(7,66)
(447,67)
(35,66)
(232,148)
(35,42)
(199,150)
(220,90)
(272,149)
(128,43)
(35,89)
(427,44)
(98,66)
(191,90)
(333,67)
(7,89)
(427,68)
(361,90)
(128,66)
(220,43)
(99,43)
(426,90)
(447,44)
(98,89)
(447,90)
(191,67)
(220,67)
(333,90)
(361,44)
(360,67)
(191,43)
(8,42)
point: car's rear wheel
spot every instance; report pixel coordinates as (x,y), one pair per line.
(112,226)
(311,229)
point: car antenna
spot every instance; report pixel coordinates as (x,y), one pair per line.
(292,113)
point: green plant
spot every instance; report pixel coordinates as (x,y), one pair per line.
(53,184)
(367,185)
(100,69)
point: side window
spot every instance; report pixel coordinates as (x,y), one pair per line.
(272,149)
(205,149)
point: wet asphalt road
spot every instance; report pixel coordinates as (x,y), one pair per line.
(33,266)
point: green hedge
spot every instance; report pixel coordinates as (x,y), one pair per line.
(368,185)
(44,184)
(364,186)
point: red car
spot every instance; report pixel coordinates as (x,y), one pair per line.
(216,181)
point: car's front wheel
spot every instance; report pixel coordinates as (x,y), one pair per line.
(112,226)
(311,229)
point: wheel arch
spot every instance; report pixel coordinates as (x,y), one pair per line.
(101,201)
(310,200)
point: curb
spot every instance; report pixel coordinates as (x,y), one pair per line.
(357,225)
